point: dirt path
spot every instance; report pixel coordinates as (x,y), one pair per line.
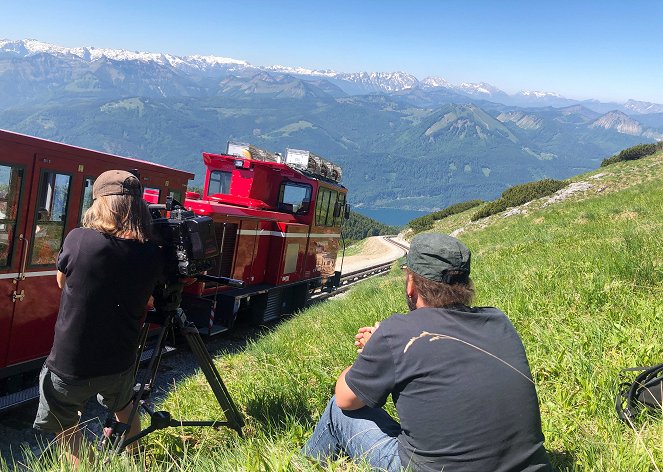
(375,251)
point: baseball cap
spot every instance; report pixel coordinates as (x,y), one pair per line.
(116,182)
(439,257)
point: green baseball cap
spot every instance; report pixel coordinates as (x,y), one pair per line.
(432,255)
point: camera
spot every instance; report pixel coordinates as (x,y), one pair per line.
(188,240)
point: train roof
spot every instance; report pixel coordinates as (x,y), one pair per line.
(55,145)
(209,158)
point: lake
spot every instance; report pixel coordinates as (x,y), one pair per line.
(391,216)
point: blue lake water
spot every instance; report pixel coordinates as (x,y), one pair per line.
(391,216)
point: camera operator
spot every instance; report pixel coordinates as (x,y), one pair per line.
(107,271)
(458,376)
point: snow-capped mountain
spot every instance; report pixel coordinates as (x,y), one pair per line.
(31,47)
(195,68)
(436,82)
(356,82)
(538,94)
(480,89)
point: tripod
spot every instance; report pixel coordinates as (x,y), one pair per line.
(169,315)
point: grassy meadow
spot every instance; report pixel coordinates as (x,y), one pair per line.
(581,279)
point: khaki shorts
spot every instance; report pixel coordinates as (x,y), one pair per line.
(61,401)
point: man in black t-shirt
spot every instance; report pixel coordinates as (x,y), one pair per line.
(107,271)
(458,376)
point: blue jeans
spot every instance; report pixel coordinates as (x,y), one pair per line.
(368,433)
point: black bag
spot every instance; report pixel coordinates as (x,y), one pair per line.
(643,392)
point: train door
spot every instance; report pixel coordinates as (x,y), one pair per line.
(52,198)
(12,189)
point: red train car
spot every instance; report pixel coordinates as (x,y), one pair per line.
(45,187)
(278,222)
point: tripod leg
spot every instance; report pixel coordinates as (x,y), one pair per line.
(119,430)
(213,377)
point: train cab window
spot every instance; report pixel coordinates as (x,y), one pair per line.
(294,198)
(11,178)
(219,182)
(50,217)
(151,195)
(86,199)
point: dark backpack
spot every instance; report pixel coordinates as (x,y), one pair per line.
(645,391)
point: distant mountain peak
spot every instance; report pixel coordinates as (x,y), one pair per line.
(643,107)
(301,71)
(434,82)
(539,94)
(481,88)
(618,121)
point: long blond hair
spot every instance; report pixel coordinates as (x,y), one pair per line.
(122,216)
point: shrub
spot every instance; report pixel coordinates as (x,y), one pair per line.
(635,152)
(518,195)
(424,223)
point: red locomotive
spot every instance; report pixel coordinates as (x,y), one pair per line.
(277,224)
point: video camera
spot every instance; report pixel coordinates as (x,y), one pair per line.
(188,240)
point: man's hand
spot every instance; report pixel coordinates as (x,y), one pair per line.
(363,335)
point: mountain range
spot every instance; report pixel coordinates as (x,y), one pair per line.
(403,142)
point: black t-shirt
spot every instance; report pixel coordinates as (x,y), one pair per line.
(109,281)
(461,385)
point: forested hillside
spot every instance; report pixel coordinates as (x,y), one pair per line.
(358,227)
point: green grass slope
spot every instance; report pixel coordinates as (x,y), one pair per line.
(582,280)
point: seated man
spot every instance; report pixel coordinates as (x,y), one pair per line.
(458,376)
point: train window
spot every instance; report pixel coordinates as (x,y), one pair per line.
(340,204)
(86,201)
(177,196)
(322,206)
(219,182)
(11,178)
(324,209)
(48,233)
(294,198)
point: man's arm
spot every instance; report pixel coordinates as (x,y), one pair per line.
(345,397)
(61,278)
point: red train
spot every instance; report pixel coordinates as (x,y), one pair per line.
(278,223)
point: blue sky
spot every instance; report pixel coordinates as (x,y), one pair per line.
(607,50)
